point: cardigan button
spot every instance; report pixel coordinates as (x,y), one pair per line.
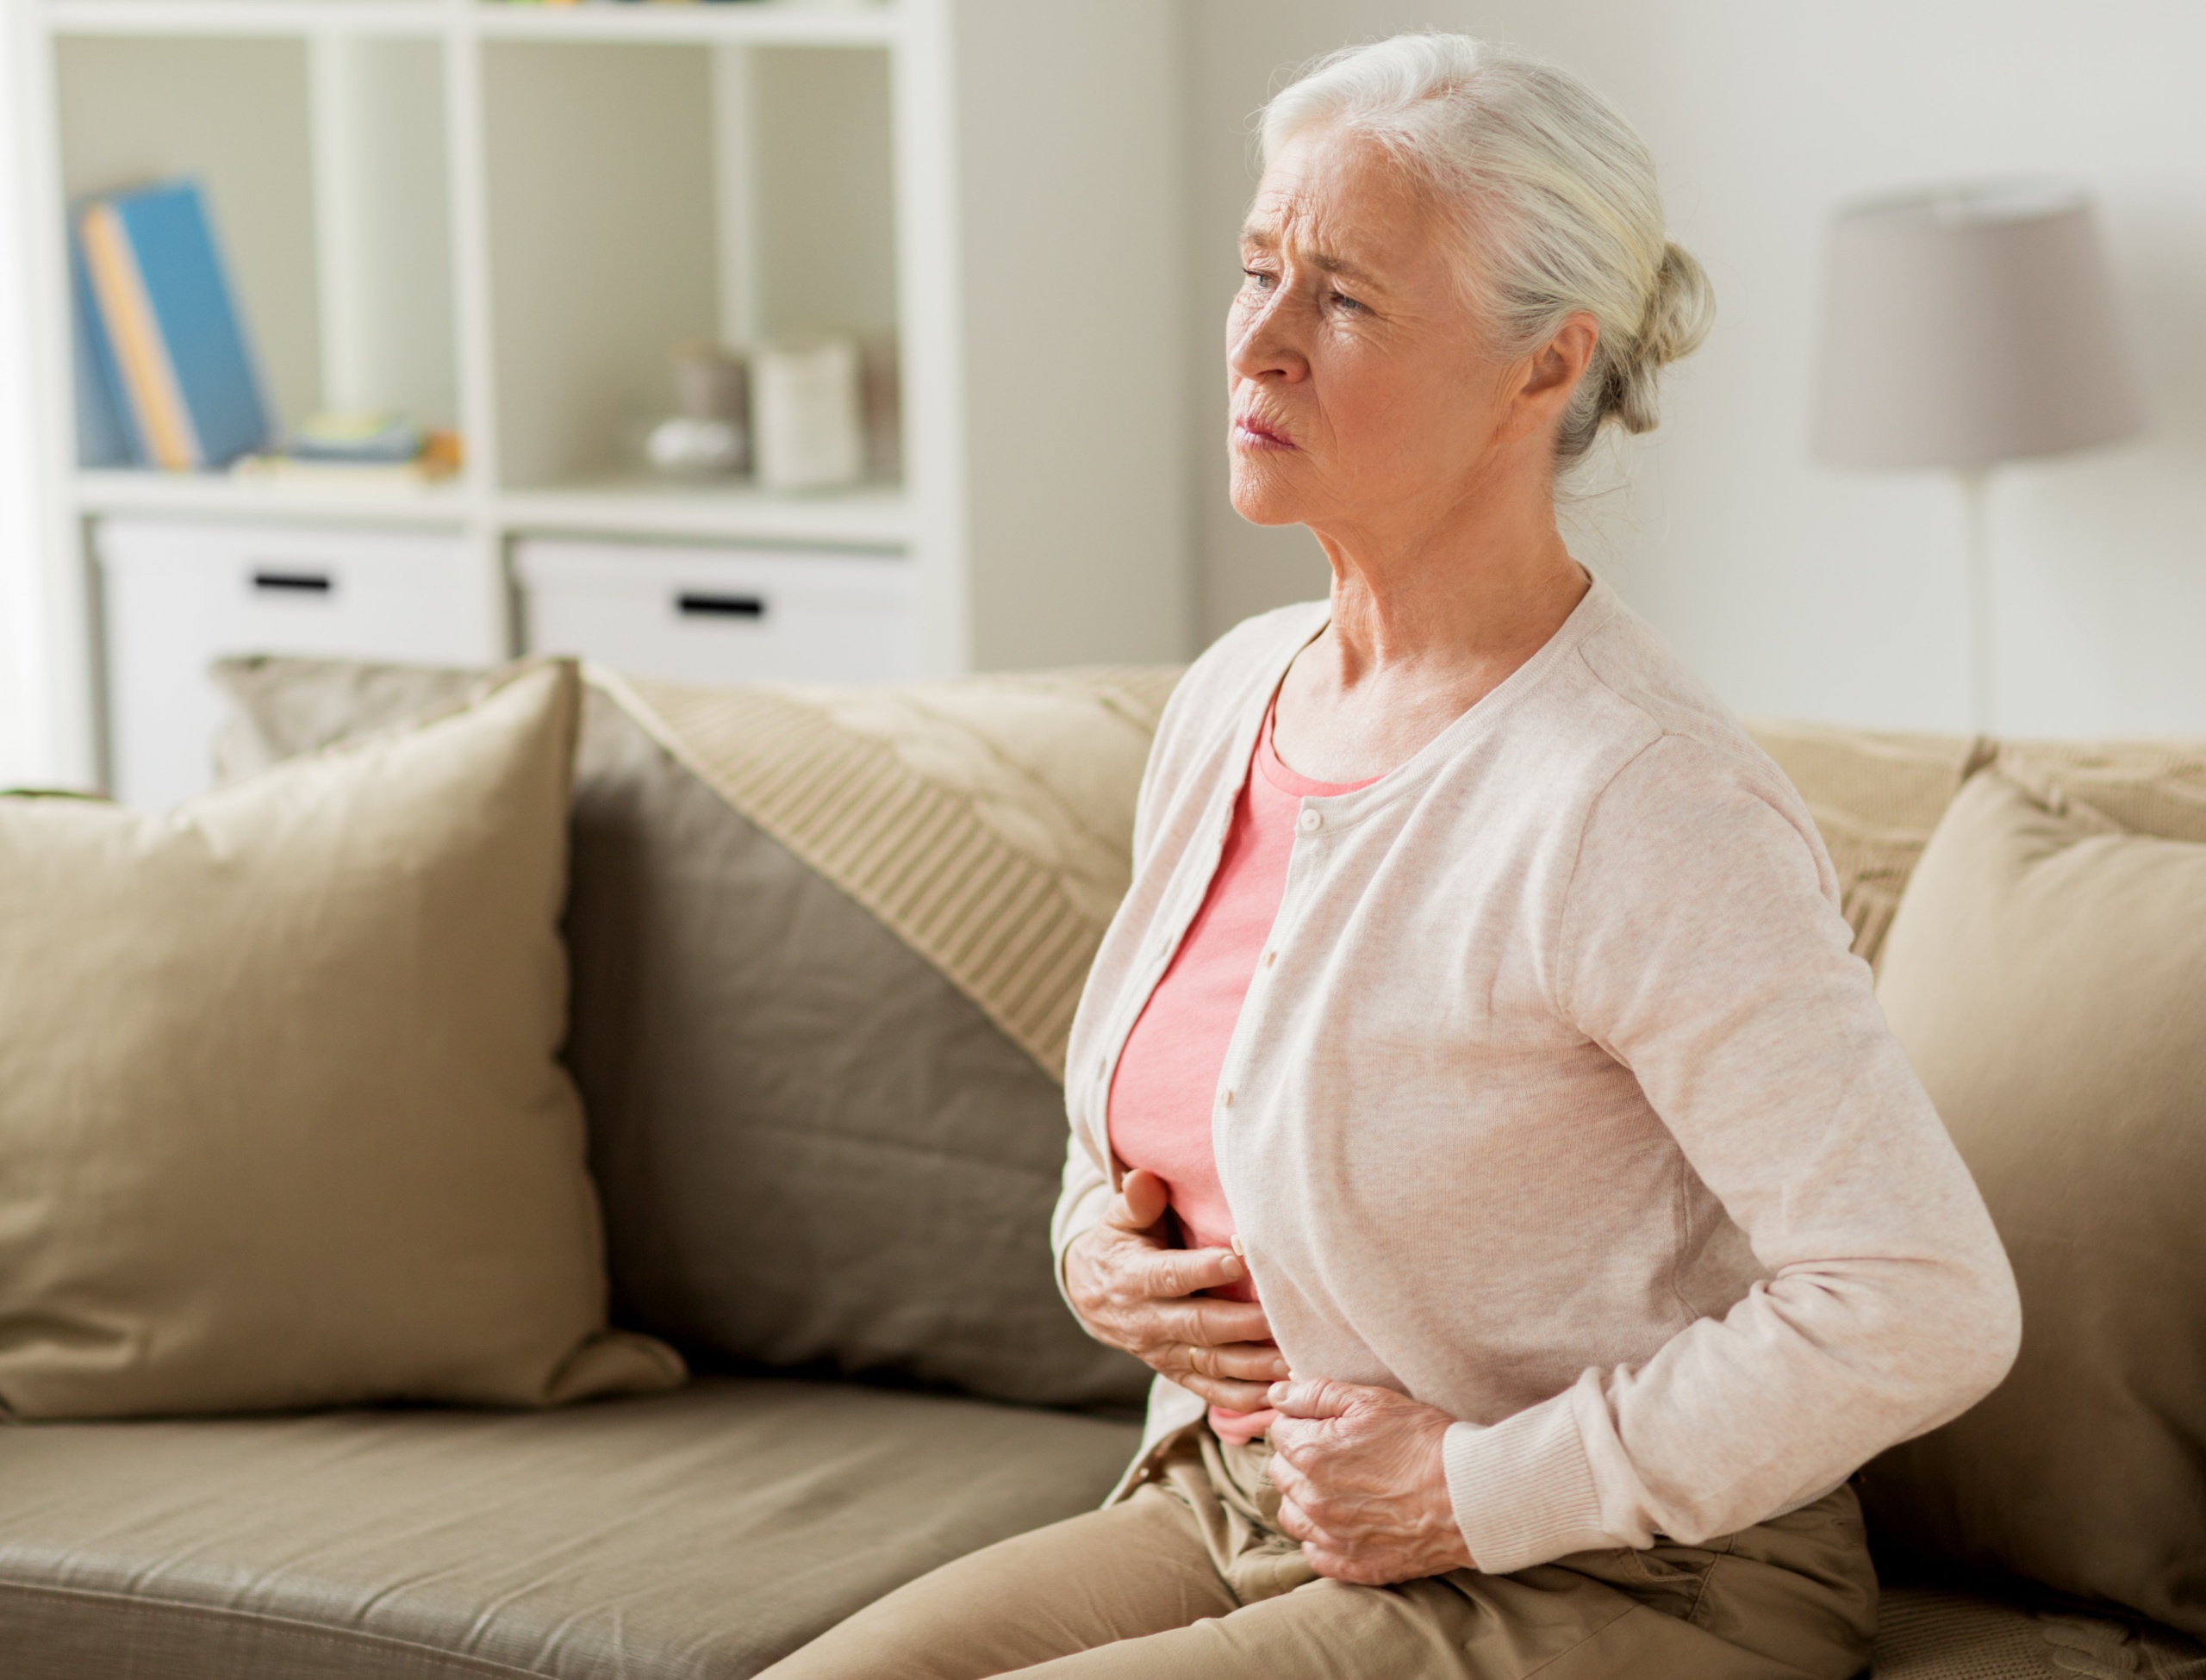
(1310,822)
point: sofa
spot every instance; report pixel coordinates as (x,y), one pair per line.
(823,946)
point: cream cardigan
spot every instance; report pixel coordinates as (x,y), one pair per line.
(1558,1103)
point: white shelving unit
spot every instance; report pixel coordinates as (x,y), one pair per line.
(503,217)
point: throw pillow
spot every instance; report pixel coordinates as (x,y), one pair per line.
(282,1122)
(2046,972)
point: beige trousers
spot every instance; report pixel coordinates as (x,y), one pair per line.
(1189,1580)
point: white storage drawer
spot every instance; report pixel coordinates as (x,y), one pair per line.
(720,614)
(177,595)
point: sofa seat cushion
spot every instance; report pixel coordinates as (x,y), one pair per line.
(702,1534)
(707,1532)
(1930,1632)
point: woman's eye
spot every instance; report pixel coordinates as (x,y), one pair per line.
(1260,279)
(1343,301)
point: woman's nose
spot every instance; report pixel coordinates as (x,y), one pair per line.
(1261,342)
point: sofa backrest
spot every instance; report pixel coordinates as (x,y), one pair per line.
(814,1148)
(1876,794)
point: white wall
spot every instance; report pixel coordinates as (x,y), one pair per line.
(1065,185)
(1800,590)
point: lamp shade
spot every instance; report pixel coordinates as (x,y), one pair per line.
(1969,326)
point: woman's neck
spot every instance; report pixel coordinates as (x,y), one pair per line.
(1427,619)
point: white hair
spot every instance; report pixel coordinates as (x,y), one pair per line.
(1552,184)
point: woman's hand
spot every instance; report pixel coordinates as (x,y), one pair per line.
(1133,1292)
(1362,1483)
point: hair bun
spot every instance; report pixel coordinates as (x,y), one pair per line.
(1679,311)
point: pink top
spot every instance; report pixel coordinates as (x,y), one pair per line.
(1167,1081)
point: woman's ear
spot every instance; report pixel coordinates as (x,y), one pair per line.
(1550,377)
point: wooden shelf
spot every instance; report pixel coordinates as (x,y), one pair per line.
(876,516)
(217,495)
(749,23)
(731,22)
(246,17)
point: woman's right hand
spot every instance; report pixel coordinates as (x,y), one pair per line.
(1134,1291)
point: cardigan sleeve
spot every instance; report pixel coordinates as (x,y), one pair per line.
(1699,943)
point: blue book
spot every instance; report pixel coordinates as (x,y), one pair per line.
(191,387)
(105,437)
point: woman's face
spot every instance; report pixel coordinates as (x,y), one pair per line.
(1362,391)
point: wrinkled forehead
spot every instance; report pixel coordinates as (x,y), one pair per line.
(1342,200)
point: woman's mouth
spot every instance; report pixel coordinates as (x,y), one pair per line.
(1252,433)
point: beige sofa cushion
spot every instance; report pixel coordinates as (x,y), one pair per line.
(1876,796)
(692,1536)
(2153,786)
(281,1119)
(2046,974)
(1946,1632)
(696,1536)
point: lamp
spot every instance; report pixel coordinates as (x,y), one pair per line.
(1964,328)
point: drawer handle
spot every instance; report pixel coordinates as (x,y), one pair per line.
(297,583)
(722,606)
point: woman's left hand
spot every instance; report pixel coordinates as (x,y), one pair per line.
(1362,1483)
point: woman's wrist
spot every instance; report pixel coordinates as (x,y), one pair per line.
(1439,1498)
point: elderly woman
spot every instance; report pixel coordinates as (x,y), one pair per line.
(1477,1120)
